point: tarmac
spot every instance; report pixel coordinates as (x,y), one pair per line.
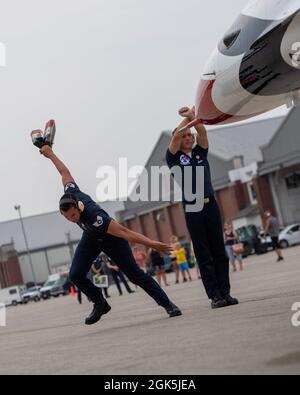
(138,338)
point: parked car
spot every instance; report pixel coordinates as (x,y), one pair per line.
(47,288)
(51,284)
(290,236)
(61,287)
(250,237)
(268,241)
(32,294)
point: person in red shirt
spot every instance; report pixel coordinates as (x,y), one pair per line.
(140,257)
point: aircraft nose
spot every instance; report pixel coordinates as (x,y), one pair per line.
(206,110)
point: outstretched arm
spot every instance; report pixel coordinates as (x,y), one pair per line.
(60,166)
(202,138)
(117,230)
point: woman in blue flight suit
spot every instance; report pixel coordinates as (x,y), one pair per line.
(205,226)
(102,234)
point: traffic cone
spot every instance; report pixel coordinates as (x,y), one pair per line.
(73,293)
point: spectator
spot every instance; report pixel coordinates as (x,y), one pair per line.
(118,277)
(140,257)
(174,241)
(99,268)
(231,239)
(79,295)
(194,259)
(158,265)
(182,261)
(272,228)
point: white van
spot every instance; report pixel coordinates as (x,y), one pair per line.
(12,296)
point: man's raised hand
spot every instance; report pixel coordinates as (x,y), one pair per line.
(187,112)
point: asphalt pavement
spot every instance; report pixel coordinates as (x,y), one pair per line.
(137,337)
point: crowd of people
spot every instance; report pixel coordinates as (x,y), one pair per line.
(183,256)
(235,248)
(153,262)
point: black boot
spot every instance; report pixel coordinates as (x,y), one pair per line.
(98,311)
(173,310)
(231,301)
(218,303)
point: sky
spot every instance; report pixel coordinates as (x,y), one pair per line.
(111,73)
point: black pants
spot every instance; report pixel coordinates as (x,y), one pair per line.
(119,277)
(275,243)
(79,296)
(206,231)
(120,252)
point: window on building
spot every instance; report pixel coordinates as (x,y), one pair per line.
(160,216)
(293,181)
(252,193)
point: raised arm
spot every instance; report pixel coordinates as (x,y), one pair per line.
(117,230)
(60,166)
(202,138)
(189,115)
(175,144)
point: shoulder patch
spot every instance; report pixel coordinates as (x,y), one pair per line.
(99,222)
(70,185)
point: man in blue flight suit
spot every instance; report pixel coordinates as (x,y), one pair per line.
(102,234)
(205,226)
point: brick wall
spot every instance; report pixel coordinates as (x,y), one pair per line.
(161,224)
(10,273)
(178,222)
(232,200)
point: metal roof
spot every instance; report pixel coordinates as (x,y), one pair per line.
(46,229)
(226,143)
(283,150)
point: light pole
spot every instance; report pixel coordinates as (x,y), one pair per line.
(18,208)
(70,244)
